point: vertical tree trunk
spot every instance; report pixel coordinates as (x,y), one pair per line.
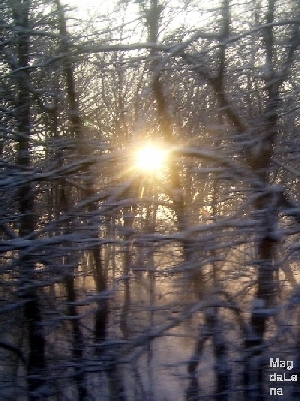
(128,217)
(77,342)
(76,127)
(222,370)
(188,244)
(33,316)
(266,205)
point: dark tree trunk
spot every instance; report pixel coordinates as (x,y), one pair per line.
(101,316)
(189,245)
(77,343)
(266,209)
(76,128)
(128,216)
(32,312)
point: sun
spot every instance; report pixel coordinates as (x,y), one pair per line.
(150,158)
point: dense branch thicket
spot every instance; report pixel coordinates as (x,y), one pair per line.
(124,284)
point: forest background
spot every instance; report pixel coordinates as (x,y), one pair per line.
(125,280)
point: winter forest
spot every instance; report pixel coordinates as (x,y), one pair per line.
(150,203)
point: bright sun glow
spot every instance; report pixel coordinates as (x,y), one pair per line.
(150,158)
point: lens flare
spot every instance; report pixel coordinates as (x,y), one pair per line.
(150,158)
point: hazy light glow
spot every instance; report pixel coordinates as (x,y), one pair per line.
(150,158)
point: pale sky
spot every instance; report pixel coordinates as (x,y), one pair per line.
(193,15)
